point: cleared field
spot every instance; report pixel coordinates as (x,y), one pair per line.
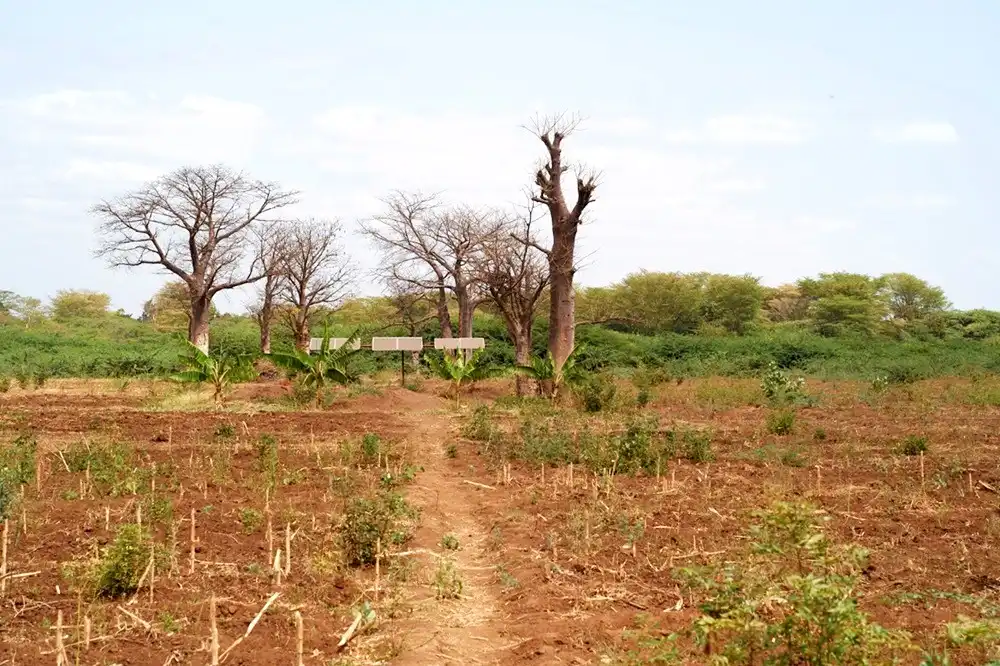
(504,531)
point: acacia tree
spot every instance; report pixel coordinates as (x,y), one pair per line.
(515,273)
(316,273)
(273,252)
(433,248)
(565,223)
(197,223)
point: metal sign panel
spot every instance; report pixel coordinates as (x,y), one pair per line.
(459,343)
(397,344)
(315,344)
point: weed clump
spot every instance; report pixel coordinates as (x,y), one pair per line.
(369,520)
(5,384)
(782,389)
(817,621)
(17,467)
(447,581)
(781,422)
(118,571)
(914,445)
(596,393)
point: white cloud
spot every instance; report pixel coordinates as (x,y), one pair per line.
(919,132)
(910,201)
(743,129)
(738,185)
(489,159)
(109,171)
(116,124)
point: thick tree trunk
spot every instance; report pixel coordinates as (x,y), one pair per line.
(522,356)
(466,308)
(201,310)
(265,338)
(444,316)
(562,322)
(301,331)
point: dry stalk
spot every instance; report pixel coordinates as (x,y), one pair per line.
(3,559)
(194,540)
(277,567)
(288,548)
(378,566)
(61,658)
(253,623)
(299,631)
(214,639)
(270,537)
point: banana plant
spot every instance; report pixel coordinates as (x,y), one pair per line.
(459,370)
(220,370)
(543,371)
(319,370)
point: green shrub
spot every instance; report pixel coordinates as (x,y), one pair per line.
(17,468)
(369,520)
(635,449)
(781,422)
(41,378)
(17,460)
(23,378)
(5,384)
(540,443)
(780,388)
(480,427)
(267,459)
(596,392)
(790,599)
(371,446)
(643,397)
(690,444)
(914,445)
(8,496)
(120,567)
(251,520)
(113,470)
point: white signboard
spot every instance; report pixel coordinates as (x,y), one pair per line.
(459,343)
(316,344)
(397,344)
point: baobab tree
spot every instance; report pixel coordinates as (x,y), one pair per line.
(197,223)
(515,274)
(317,273)
(434,248)
(566,221)
(273,252)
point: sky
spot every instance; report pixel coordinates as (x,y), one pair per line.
(776,138)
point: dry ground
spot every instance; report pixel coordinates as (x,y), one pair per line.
(553,568)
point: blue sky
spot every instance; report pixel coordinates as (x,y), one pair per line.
(776,138)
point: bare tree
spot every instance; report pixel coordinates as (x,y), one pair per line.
(317,273)
(565,223)
(433,248)
(197,223)
(515,274)
(412,306)
(273,250)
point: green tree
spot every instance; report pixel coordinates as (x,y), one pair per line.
(842,303)
(661,302)
(732,301)
(169,308)
(76,305)
(912,299)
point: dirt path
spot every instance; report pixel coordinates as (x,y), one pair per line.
(468,629)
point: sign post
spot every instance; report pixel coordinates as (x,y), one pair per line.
(402,345)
